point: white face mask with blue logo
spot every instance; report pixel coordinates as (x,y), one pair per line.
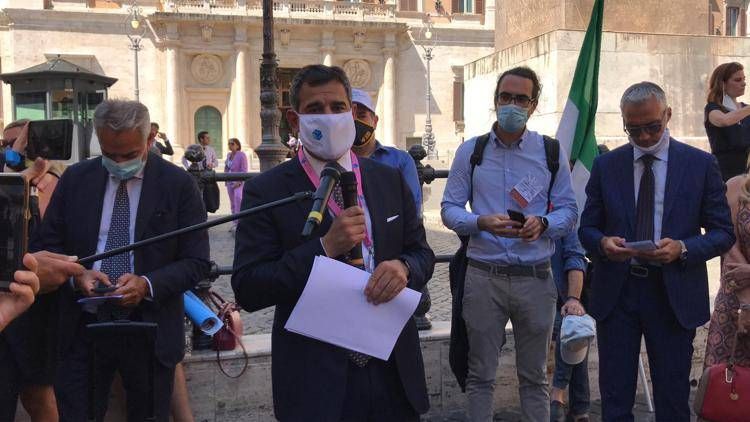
(327,136)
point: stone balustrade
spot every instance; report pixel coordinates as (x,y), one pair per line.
(324,9)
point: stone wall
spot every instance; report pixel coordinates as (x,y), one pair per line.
(517,22)
(681,64)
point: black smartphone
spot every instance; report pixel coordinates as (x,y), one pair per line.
(517,216)
(50,139)
(14,223)
(102,289)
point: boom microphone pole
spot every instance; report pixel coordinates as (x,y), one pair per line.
(295,197)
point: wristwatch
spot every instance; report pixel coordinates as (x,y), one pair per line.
(683,251)
(545,223)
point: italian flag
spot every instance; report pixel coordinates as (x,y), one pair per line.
(576,130)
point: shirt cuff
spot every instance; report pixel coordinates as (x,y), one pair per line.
(150,296)
(324,248)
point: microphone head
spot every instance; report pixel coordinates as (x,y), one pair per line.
(332,170)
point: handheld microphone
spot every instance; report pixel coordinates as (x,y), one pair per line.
(328,179)
(349,192)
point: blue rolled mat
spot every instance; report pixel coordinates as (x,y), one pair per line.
(201,315)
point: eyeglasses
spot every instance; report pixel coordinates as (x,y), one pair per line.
(636,131)
(504,98)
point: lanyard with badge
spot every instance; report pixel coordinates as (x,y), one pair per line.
(526,190)
(334,208)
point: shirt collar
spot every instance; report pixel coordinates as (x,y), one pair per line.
(661,155)
(519,143)
(345,161)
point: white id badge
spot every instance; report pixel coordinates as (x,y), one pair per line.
(526,190)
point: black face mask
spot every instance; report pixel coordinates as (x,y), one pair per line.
(364,133)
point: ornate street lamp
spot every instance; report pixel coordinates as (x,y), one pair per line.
(135,30)
(270,151)
(428,43)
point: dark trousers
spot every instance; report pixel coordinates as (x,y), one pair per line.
(574,377)
(130,355)
(10,381)
(644,310)
(375,394)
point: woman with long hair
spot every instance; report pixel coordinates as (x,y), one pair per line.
(726,120)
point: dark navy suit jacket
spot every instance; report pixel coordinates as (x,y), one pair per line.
(169,200)
(271,267)
(694,199)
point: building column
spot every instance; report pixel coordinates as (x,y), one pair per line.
(327,47)
(174,124)
(242,131)
(390,135)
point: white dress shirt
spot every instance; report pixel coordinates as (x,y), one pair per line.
(134,186)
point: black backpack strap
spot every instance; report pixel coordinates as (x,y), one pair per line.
(476,160)
(552,152)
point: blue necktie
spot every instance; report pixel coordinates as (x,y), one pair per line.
(118,236)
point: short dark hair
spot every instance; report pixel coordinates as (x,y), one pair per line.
(316,75)
(156,125)
(202,134)
(524,72)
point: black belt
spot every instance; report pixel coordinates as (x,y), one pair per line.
(644,271)
(541,271)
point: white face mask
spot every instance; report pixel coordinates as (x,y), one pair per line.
(653,149)
(728,103)
(327,136)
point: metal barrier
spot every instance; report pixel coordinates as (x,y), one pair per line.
(427,174)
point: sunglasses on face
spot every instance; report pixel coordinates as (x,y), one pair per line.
(505,98)
(650,129)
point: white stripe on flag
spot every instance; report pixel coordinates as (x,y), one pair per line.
(566,131)
(580,177)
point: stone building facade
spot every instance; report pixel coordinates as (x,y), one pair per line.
(676,45)
(199,65)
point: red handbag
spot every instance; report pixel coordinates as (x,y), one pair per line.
(724,392)
(229,336)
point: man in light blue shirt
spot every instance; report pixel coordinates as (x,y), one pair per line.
(365,145)
(509,276)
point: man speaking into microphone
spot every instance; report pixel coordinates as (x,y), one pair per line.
(313,380)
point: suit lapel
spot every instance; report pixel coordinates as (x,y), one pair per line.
(94,213)
(149,199)
(295,181)
(674,175)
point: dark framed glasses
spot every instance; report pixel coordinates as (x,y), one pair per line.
(505,98)
(637,131)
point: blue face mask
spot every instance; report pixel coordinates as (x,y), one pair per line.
(124,170)
(512,118)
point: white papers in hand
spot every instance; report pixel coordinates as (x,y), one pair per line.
(333,308)
(643,245)
(96,300)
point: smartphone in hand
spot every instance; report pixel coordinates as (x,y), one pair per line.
(517,216)
(14,223)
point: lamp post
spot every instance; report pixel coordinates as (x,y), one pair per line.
(135,32)
(270,151)
(428,43)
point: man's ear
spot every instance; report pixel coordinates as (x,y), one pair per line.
(293,119)
(669,115)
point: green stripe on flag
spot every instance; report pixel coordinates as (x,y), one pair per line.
(584,93)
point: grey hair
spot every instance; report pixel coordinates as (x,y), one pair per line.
(641,92)
(120,115)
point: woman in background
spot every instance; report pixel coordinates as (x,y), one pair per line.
(236,162)
(726,120)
